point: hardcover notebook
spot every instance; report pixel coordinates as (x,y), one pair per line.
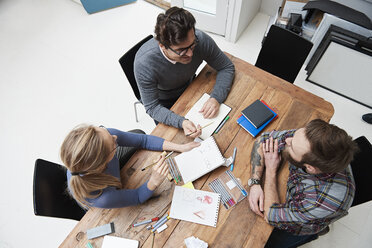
(194,205)
(257,113)
(199,161)
(244,123)
(197,118)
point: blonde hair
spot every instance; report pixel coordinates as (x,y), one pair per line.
(84,153)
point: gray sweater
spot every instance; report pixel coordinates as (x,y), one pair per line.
(159,79)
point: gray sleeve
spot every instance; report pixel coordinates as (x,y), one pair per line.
(150,98)
(221,63)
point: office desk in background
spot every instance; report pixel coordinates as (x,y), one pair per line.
(238,226)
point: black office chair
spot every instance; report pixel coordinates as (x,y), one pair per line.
(126,62)
(283,53)
(50,196)
(362,171)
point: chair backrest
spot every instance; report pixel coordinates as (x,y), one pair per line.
(283,53)
(127,61)
(362,171)
(49,192)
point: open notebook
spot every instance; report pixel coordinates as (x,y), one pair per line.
(197,118)
(199,161)
(194,205)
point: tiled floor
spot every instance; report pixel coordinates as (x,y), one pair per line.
(59,68)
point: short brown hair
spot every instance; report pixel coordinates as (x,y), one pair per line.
(331,148)
(173,26)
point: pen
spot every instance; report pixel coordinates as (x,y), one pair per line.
(201,128)
(160,223)
(151,165)
(146,221)
(232,164)
(162,218)
(222,123)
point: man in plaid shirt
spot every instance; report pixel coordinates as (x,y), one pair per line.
(320,187)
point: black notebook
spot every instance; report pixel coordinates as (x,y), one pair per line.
(257,113)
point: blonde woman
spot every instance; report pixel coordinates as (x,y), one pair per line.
(91,155)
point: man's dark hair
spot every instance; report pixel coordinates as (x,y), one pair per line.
(173,26)
(331,148)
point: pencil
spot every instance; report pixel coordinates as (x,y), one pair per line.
(151,165)
(201,128)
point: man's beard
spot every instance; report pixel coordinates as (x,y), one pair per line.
(287,156)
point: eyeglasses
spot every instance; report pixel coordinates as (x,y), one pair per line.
(116,144)
(183,51)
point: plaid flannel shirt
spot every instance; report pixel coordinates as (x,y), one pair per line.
(312,201)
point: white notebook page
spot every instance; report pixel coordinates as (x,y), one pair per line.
(197,118)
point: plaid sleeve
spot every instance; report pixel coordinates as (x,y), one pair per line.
(300,209)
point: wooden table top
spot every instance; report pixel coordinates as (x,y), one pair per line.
(238,226)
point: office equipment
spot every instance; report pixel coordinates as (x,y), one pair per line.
(50,196)
(342,65)
(201,128)
(244,123)
(115,242)
(362,171)
(195,206)
(199,161)
(229,187)
(234,156)
(221,125)
(145,221)
(283,53)
(257,113)
(100,230)
(296,108)
(197,118)
(126,63)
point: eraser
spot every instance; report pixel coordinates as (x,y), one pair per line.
(162,228)
(100,230)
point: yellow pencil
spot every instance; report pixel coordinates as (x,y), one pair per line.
(151,165)
(201,128)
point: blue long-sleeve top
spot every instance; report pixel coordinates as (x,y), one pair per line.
(112,197)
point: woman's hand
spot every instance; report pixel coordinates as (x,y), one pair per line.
(190,129)
(188,146)
(159,172)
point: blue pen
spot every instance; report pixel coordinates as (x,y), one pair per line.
(232,164)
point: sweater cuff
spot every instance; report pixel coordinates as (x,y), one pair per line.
(180,121)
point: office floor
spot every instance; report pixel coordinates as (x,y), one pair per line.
(59,68)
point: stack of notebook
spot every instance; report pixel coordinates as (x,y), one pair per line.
(256,117)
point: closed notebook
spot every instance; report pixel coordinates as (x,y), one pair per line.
(194,205)
(199,161)
(244,123)
(257,113)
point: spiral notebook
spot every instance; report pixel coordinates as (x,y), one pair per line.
(194,205)
(199,161)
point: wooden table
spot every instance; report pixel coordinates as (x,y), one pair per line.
(236,227)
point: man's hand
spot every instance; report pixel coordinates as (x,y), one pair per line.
(190,128)
(271,155)
(256,199)
(210,108)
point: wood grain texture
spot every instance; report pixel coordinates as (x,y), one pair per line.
(238,226)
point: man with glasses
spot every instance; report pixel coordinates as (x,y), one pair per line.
(165,65)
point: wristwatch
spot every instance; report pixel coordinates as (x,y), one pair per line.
(253,181)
